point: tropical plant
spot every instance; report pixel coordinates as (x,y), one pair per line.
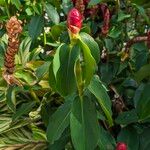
(74,75)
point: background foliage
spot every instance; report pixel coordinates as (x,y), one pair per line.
(46,112)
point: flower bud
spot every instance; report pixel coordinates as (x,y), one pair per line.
(74,21)
(121,146)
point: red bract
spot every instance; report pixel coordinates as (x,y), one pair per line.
(74,21)
(121,146)
(106,18)
(84,1)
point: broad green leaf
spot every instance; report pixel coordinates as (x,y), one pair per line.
(98,90)
(137,94)
(58,122)
(143,73)
(144,139)
(93,46)
(11,98)
(24,109)
(144,104)
(42,70)
(84,124)
(61,143)
(127,117)
(65,77)
(109,44)
(52,13)
(106,141)
(36,26)
(138,52)
(89,63)
(129,136)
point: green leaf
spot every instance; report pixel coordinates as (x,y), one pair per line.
(42,70)
(61,143)
(115,32)
(26,76)
(138,93)
(84,124)
(11,98)
(24,109)
(106,141)
(36,26)
(122,16)
(145,140)
(56,30)
(52,13)
(4,123)
(143,104)
(65,84)
(93,46)
(23,53)
(142,12)
(58,122)
(129,136)
(97,89)
(89,63)
(56,60)
(128,117)
(143,73)
(16,3)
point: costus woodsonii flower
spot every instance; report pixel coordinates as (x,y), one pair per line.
(121,146)
(74,21)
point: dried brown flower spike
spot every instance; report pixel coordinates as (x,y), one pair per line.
(13,28)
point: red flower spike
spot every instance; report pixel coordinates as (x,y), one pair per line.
(74,21)
(121,146)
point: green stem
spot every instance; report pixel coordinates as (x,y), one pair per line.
(118,4)
(78,73)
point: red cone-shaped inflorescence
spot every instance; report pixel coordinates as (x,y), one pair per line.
(121,146)
(106,18)
(74,21)
(14,29)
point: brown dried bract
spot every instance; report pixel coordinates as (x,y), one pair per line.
(13,28)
